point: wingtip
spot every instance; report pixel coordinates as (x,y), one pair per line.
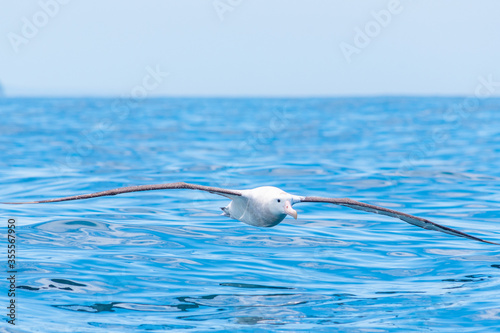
(490,242)
(21,203)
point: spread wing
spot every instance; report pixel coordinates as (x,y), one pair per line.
(418,221)
(168,186)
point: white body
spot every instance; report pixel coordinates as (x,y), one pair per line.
(264,206)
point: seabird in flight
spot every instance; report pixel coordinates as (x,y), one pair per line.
(267,206)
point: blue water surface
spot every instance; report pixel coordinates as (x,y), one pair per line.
(167,260)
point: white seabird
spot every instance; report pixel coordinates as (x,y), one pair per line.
(267,206)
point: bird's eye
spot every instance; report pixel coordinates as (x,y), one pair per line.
(279,200)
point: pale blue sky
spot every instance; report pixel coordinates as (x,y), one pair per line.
(248,47)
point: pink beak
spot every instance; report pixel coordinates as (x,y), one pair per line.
(289,210)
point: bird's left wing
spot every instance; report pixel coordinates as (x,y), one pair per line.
(168,186)
(418,221)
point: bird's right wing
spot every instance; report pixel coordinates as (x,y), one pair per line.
(168,186)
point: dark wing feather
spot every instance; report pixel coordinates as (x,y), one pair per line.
(168,186)
(418,221)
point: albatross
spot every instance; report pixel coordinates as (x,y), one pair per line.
(267,206)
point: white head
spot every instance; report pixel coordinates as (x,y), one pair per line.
(276,201)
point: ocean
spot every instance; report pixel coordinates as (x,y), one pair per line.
(168,260)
